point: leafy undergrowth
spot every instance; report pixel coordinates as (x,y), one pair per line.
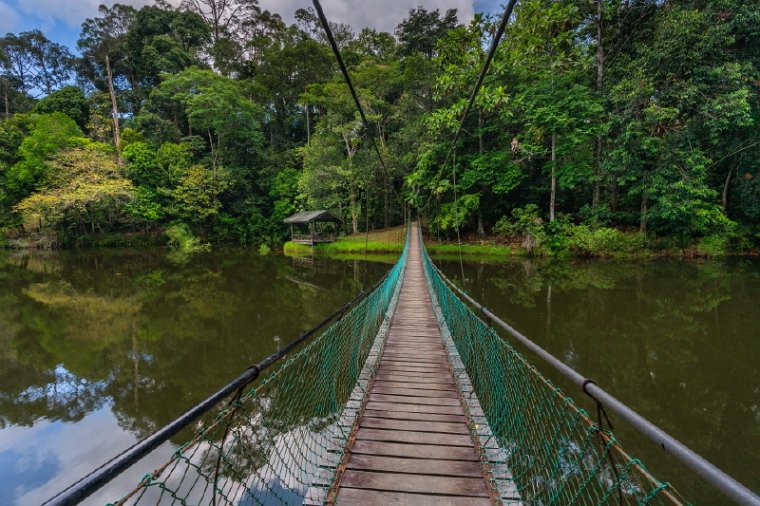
(389,240)
(469,249)
(390,236)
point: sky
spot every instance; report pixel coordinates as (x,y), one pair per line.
(61,20)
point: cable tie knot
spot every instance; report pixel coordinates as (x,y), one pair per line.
(600,411)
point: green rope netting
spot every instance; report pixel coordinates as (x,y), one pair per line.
(282,440)
(556,454)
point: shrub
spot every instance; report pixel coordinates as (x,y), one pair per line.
(182,239)
(264,249)
(525,222)
(604,241)
(714,245)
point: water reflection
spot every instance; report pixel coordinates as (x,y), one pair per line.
(98,349)
(676,341)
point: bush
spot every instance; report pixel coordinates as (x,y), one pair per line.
(526,223)
(182,239)
(604,241)
(264,249)
(713,245)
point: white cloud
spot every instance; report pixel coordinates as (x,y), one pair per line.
(8,18)
(383,15)
(71,12)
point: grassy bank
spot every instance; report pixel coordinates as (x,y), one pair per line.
(570,241)
(390,240)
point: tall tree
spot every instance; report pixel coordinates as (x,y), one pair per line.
(102,43)
(226,20)
(39,65)
(422,29)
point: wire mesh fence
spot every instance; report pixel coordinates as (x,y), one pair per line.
(279,441)
(554,451)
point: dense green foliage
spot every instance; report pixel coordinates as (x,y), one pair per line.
(602,126)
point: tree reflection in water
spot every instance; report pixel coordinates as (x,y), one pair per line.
(675,340)
(144,337)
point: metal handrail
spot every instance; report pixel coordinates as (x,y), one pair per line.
(713,475)
(90,483)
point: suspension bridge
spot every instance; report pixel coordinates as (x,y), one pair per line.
(403,396)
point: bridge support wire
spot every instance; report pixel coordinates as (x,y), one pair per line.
(710,473)
(208,455)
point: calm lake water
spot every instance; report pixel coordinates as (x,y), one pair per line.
(679,342)
(98,349)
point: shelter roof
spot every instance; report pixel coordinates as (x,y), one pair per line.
(321,215)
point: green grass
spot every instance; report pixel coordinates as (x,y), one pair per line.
(389,240)
(342,246)
(296,249)
(394,235)
(491,250)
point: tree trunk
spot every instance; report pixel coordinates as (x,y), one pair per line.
(613,193)
(553,196)
(480,132)
(213,152)
(385,200)
(7,104)
(340,212)
(354,215)
(643,222)
(308,126)
(114,110)
(548,310)
(724,195)
(481,148)
(599,81)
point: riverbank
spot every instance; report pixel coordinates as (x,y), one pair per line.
(578,241)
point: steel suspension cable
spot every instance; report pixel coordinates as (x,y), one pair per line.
(336,51)
(328,32)
(713,475)
(481,77)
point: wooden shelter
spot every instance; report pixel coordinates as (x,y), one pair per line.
(315,220)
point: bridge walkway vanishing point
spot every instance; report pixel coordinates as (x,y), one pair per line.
(413,445)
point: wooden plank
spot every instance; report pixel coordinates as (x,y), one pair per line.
(415,483)
(413,392)
(405,415)
(415,466)
(355,496)
(419,401)
(412,377)
(440,452)
(415,425)
(411,408)
(413,445)
(411,368)
(424,360)
(402,352)
(440,385)
(413,437)
(414,346)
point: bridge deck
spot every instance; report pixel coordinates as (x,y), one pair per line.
(412,445)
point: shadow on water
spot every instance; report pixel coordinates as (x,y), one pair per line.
(676,341)
(98,349)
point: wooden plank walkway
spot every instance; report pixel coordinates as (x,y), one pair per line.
(412,445)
